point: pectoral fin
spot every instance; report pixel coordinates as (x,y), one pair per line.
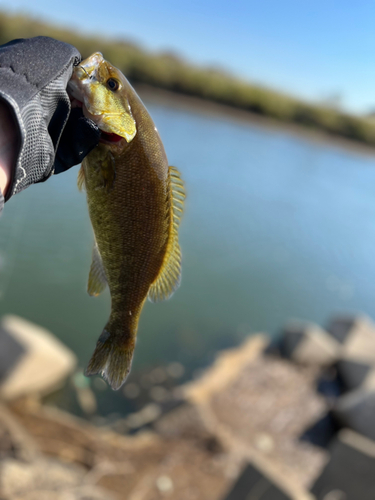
(97,279)
(81,179)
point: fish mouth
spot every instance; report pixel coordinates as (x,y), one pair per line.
(109,138)
(75,103)
(80,73)
(88,67)
(74,93)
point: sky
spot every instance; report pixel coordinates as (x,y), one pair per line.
(320,50)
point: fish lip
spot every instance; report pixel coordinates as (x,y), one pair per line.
(73,90)
(87,69)
(75,96)
(80,73)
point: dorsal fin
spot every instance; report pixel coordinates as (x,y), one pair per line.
(81,179)
(169,277)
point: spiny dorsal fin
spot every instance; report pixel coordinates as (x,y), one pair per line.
(170,274)
(81,179)
(97,279)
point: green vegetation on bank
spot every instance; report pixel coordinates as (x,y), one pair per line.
(169,72)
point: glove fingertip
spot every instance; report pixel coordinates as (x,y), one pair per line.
(80,136)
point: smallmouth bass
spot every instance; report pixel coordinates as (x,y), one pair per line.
(135,202)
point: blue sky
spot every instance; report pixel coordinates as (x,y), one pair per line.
(318,50)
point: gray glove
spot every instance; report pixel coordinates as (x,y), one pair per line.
(34,74)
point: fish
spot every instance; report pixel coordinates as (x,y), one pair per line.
(135,202)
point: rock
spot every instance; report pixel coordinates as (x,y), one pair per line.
(90,493)
(47,479)
(188,422)
(328,383)
(57,433)
(145,416)
(128,466)
(15,442)
(306,343)
(356,368)
(353,373)
(321,432)
(256,483)
(264,442)
(356,410)
(357,336)
(19,478)
(11,351)
(369,381)
(184,421)
(260,403)
(81,493)
(164,484)
(43,365)
(349,474)
(341,327)
(226,368)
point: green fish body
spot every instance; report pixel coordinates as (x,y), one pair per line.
(135,201)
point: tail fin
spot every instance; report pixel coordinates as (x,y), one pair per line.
(111,359)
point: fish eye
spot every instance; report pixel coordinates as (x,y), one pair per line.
(113,84)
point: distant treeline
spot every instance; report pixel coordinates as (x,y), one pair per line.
(169,72)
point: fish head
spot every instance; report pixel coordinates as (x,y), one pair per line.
(101,89)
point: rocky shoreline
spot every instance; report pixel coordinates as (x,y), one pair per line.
(272,420)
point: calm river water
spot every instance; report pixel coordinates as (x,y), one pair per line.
(276,226)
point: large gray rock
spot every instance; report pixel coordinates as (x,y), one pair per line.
(357,336)
(356,410)
(369,381)
(306,343)
(255,483)
(353,373)
(349,475)
(44,362)
(11,352)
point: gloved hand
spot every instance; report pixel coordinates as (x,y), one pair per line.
(34,74)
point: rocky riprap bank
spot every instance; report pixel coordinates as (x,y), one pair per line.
(292,419)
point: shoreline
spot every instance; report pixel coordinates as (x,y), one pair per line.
(206,107)
(183,78)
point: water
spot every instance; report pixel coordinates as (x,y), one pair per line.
(276,226)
